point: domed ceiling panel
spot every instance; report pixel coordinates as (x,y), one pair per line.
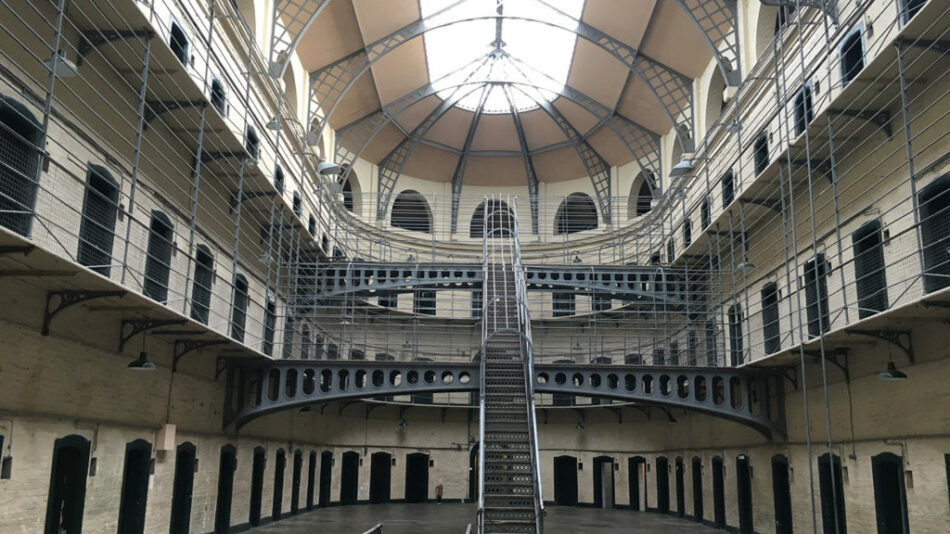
(335,34)
(579,117)
(496,132)
(674,40)
(401,71)
(540,129)
(430,163)
(625,20)
(382,144)
(639,104)
(452,129)
(411,117)
(596,73)
(359,102)
(492,171)
(379,18)
(610,147)
(558,165)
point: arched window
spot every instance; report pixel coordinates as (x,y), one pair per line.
(270,324)
(288,350)
(279,180)
(728,189)
(670,250)
(640,200)
(239,308)
(870,278)
(804,109)
(760,152)
(305,345)
(19,133)
(158,258)
(311,225)
(348,194)
(782,17)
(705,215)
(219,97)
(816,295)
(576,213)
(252,143)
(735,334)
(500,221)
(909,8)
(97,229)
(290,91)
(770,324)
(715,99)
(201,287)
(411,212)
(297,204)
(934,207)
(178,42)
(851,56)
(687,233)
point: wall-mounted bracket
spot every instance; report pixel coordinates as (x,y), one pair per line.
(823,166)
(790,375)
(138,326)
(69,298)
(184,346)
(154,108)
(7,250)
(618,412)
(828,7)
(92,38)
(894,337)
(837,357)
(880,118)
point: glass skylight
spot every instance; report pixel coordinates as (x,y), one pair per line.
(536,48)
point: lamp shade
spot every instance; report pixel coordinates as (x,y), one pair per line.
(682,168)
(891,374)
(328,168)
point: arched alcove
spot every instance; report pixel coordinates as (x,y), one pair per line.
(290,93)
(771,21)
(576,213)
(640,198)
(500,219)
(352,193)
(411,212)
(715,99)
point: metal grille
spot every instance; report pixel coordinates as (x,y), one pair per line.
(935,233)
(158,260)
(239,308)
(18,161)
(201,286)
(97,230)
(870,278)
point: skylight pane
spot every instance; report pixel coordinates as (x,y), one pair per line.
(536,51)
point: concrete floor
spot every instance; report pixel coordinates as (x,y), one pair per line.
(454,518)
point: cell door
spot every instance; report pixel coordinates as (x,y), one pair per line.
(349,478)
(257,486)
(295,482)
(417,477)
(680,487)
(326,466)
(697,469)
(744,494)
(135,475)
(830,484)
(380,477)
(182,489)
(280,463)
(637,482)
(604,482)
(663,485)
(565,480)
(890,499)
(719,493)
(781,495)
(226,466)
(67,489)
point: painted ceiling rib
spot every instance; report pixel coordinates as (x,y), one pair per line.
(463,159)
(530,176)
(718,22)
(290,22)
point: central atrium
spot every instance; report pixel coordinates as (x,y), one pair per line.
(475,266)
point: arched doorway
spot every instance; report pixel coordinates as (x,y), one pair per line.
(680,476)
(380,477)
(183,486)
(417,477)
(719,493)
(500,223)
(350,478)
(697,469)
(744,493)
(832,494)
(576,213)
(663,485)
(222,512)
(280,463)
(637,482)
(890,496)
(295,482)
(411,212)
(604,482)
(67,489)
(134,497)
(640,199)
(257,486)
(326,468)
(781,495)
(565,480)
(311,479)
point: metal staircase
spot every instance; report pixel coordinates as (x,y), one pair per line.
(510,498)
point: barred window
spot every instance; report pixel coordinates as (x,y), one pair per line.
(670,250)
(252,143)
(158,258)
(576,213)
(735,334)
(311,225)
(297,204)
(97,229)
(728,189)
(219,98)
(500,221)
(19,161)
(770,324)
(279,180)
(201,286)
(411,212)
(239,307)
(270,324)
(564,303)
(934,207)
(305,346)
(851,56)
(179,44)
(476,304)
(869,272)
(388,300)
(760,152)
(909,8)
(644,199)
(424,302)
(705,217)
(804,109)
(816,295)
(687,232)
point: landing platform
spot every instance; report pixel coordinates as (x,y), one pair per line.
(454,518)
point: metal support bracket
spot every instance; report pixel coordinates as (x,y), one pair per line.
(881,118)
(68,298)
(837,357)
(828,7)
(246,195)
(17,249)
(184,346)
(927,44)
(154,108)
(894,337)
(139,326)
(790,375)
(92,38)
(774,205)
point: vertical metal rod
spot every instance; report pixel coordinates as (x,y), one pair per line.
(912,173)
(195,183)
(139,130)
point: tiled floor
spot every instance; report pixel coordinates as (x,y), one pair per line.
(454,518)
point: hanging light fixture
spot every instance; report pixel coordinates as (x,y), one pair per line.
(579,426)
(682,168)
(892,374)
(142,363)
(61,65)
(274,123)
(328,168)
(577,259)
